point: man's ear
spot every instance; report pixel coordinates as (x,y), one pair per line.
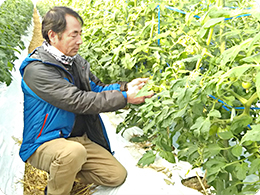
(52,36)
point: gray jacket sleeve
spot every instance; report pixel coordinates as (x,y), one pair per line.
(48,82)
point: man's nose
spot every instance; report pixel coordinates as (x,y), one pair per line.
(79,41)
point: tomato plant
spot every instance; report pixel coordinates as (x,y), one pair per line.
(15,17)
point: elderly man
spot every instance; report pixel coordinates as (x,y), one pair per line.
(63,132)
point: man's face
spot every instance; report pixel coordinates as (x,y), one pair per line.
(70,39)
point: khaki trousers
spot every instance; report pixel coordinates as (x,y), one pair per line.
(76,158)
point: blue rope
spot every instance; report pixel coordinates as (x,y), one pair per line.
(196,16)
(159,17)
(225,105)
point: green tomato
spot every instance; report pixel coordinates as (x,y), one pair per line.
(246,85)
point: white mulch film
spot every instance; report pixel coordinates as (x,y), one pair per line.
(140,181)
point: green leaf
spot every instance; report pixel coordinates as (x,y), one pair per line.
(213,149)
(236,72)
(252,59)
(253,42)
(225,135)
(163,142)
(252,135)
(254,167)
(130,46)
(239,123)
(98,49)
(127,61)
(201,127)
(214,166)
(215,113)
(236,150)
(106,58)
(216,13)
(257,83)
(149,126)
(163,114)
(169,156)
(168,102)
(212,22)
(230,190)
(192,59)
(147,159)
(184,96)
(230,54)
(241,170)
(139,139)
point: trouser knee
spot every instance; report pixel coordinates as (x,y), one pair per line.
(74,154)
(118,177)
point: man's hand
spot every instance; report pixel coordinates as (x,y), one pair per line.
(133,88)
(140,82)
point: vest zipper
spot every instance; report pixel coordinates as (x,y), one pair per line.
(45,119)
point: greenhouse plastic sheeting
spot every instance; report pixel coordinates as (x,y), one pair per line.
(11,127)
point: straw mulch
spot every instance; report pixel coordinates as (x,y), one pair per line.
(37,35)
(35,180)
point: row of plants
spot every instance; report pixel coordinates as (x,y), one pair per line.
(15,17)
(203,63)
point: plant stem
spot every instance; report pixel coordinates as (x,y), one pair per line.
(240,98)
(249,102)
(220,3)
(152,27)
(225,154)
(222,39)
(204,50)
(210,35)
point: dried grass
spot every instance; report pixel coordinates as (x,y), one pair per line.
(35,181)
(37,35)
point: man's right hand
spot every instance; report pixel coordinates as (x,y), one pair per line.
(134,89)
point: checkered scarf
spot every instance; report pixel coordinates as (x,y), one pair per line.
(58,55)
